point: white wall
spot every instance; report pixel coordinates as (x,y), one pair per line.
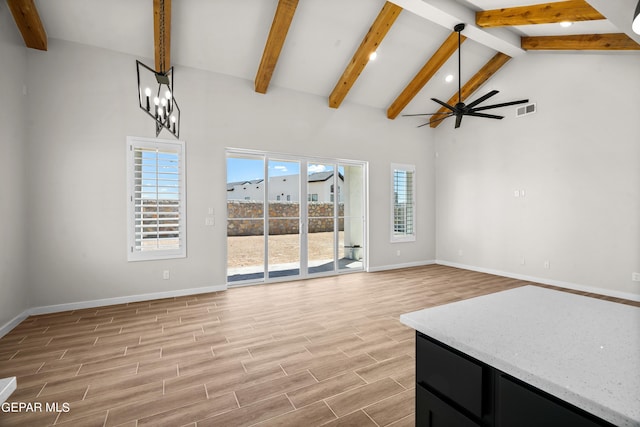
(13,282)
(578,160)
(83,105)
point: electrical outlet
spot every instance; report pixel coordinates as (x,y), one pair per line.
(522,261)
(635,277)
(166,275)
(398,252)
(546,264)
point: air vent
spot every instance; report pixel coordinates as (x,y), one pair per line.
(526,110)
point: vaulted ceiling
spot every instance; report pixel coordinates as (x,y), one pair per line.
(322,47)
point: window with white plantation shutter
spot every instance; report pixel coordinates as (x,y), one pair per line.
(156,199)
(403,206)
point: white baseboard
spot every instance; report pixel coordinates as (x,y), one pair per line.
(124,300)
(561,284)
(404,265)
(7,327)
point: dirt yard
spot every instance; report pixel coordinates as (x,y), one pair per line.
(245,251)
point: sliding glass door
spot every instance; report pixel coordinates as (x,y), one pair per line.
(280,226)
(245,218)
(321,218)
(283,210)
(351,214)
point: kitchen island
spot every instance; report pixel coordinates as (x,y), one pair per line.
(7,386)
(527,356)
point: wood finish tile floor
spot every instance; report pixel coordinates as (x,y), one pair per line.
(328,351)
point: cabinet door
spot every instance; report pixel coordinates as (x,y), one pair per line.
(525,406)
(433,412)
(451,375)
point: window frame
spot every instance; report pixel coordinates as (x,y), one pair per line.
(396,237)
(167,146)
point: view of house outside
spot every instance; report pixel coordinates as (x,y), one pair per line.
(325,220)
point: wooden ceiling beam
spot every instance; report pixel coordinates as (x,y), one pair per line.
(545,13)
(277,35)
(370,43)
(434,63)
(484,74)
(162,34)
(28,22)
(615,41)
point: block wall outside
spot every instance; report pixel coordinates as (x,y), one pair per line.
(245,218)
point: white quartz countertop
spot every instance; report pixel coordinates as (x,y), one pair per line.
(582,350)
(7,386)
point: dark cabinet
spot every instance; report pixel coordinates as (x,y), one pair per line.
(434,412)
(518,404)
(453,376)
(454,389)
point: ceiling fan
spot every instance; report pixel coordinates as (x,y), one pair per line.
(461,109)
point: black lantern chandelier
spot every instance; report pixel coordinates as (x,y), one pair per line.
(155,89)
(155,96)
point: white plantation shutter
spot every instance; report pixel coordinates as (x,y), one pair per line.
(403,203)
(156,199)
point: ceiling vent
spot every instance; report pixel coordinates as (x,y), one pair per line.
(526,110)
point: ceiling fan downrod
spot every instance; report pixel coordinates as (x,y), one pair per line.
(458,29)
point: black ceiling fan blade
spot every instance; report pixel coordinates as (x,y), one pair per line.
(504,104)
(423,114)
(444,104)
(439,119)
(436,120)
(458,120)
(487,116)
(461,109)
(482,98)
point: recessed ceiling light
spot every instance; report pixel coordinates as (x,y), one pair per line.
(566,24)
(449,78)
(373,55)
